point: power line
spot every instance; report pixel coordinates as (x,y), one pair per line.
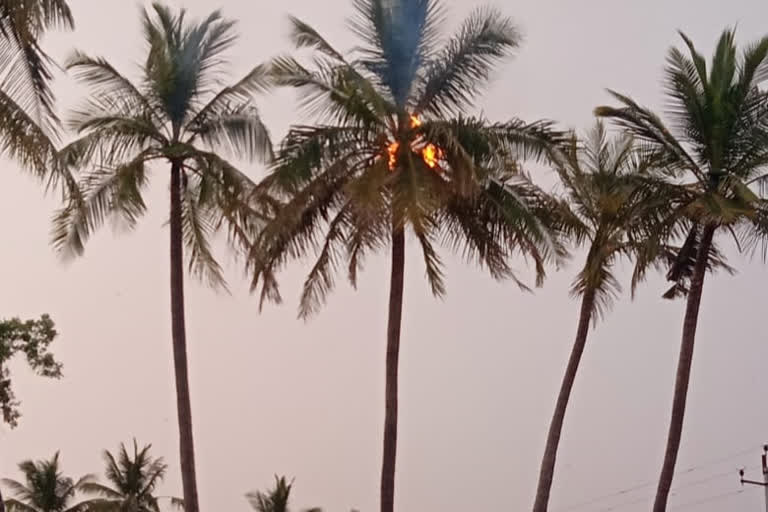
(707,500)
(644,499)
(637,487)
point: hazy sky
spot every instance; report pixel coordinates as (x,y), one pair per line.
(479,370)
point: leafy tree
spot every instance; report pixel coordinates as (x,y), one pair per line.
(714,152)
(33,339)
(390,152)
(178,115)
(45,489)
(613,207)
(134,480)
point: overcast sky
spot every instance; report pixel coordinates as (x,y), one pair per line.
(479,370)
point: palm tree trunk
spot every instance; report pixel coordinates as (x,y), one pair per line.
(683,371)
(178,332)
(547,471)
(393,352)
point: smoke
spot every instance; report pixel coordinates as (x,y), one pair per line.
(402,29)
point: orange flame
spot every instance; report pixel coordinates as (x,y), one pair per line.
(392,152)
(430,153)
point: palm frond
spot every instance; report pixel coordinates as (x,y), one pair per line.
(197,228)
(304,36)
(107,82)
(458,72)
(333,93)
(22,25)
(256,81)
(648,127)
(14,505)
(23,140)
(239,131)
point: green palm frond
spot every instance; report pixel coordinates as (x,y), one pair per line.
(197,228)
(23,140)
(26,67)
(333,92)
(240,93)
(649,128)
(237,131)
(457,73)
(304,36)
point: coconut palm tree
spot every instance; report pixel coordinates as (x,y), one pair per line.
(45,488)
(388,152)
(179,115)
(715,150)
(134,480)
(613,205)
(28,123)
(276,499)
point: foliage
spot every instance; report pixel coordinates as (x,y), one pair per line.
(361,170)
(716,151)
(134,480)
(274,500)
(615,204)
(178,114)
(28,123)
(33,339)
(45,488)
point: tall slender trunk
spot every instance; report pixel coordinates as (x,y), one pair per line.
(178,333)
(547,471)
(393,352)
(683,371)
(2,503)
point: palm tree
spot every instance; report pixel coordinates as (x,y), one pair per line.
(179,115)
(613,204)
(45,488)
(390,152)
(134,480)
(716,149)
(274,500)
(28,123)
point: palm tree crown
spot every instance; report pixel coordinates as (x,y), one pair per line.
(715,152)
(134,480)
(45,488)
(382,155)
(274,500)
(615,204)
(717,148)
(178,114)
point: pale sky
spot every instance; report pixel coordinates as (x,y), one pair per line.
(479,370)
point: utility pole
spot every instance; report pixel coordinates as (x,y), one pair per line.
(764,483)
